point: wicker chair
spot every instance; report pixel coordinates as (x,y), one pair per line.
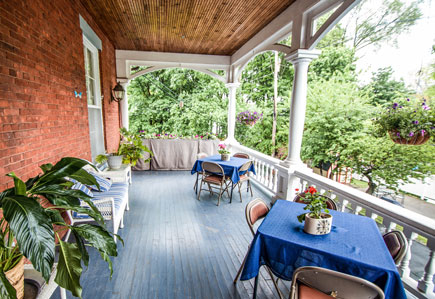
(241,155)
(397,245)
(198,156)
(244,177)
(214,175)
(255,210)
(316,282)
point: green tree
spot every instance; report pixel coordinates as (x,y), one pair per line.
(384,89)
(177,101)
(372,24)
(336,115)
(383,162)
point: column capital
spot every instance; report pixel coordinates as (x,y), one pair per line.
(232,85)
(302,55)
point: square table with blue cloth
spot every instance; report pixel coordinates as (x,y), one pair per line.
(354,246)
(231,167)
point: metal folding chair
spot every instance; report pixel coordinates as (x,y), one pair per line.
(213,175)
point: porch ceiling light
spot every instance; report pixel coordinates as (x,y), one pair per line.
(117,93)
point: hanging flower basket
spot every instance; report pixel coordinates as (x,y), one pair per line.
(416,139)
(249,118)
(410,122)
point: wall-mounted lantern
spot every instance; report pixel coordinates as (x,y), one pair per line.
(117,93)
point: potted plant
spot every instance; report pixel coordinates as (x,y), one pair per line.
(32,226)
(407,122)
(225,154)
(130,150)
(318,221)
(249,118)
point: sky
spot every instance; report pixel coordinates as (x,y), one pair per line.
(413,50)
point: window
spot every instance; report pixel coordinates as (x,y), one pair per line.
(93,92)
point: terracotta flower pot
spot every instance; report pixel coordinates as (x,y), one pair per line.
(417,139)
(16,278)
(225,157)
(320,226)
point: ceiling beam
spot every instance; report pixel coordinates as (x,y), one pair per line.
(274,32)
(126,58)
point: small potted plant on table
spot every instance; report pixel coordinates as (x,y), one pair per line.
(407,122)
(130,150)
(225,154)
(318,221)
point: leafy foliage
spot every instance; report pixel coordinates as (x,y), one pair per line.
(36,225)
(154,103)
(383,162)
(384,89)
(336,115)
(130,147)
(405,119)
(382,22)
(315,203)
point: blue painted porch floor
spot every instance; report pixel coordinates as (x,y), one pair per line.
(177,246)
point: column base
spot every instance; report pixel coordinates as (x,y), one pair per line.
(287,181)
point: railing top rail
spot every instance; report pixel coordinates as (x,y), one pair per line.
(256,154)
(418,221)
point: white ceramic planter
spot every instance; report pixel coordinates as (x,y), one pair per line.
(315,226)
(225,157)
(114,162)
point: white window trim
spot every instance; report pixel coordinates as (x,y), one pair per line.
(97,88)
(96,67)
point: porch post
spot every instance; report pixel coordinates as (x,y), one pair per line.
(287,182)
(300,60)
(232,87)
(123,105)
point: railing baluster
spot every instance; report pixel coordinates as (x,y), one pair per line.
(270,182)
(261,171)
(425,284)
(404,269)
(256,167)
(266,175)
(275,180)
(391,226)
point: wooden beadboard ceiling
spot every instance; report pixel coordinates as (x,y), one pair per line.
(217,27)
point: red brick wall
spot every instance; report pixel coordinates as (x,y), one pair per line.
(41,65)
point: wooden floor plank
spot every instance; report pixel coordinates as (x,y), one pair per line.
(177,246)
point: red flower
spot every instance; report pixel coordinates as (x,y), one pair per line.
(296,189)
(312,190)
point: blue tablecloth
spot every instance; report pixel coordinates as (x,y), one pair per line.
(231,167)
(354,246)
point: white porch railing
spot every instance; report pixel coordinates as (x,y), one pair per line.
(417,228)
(265,167)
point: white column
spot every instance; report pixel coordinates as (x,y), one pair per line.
(123,105)
(232,87)
(287,181)
(300,60)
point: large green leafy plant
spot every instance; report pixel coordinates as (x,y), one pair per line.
(32,228)
(130,147)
